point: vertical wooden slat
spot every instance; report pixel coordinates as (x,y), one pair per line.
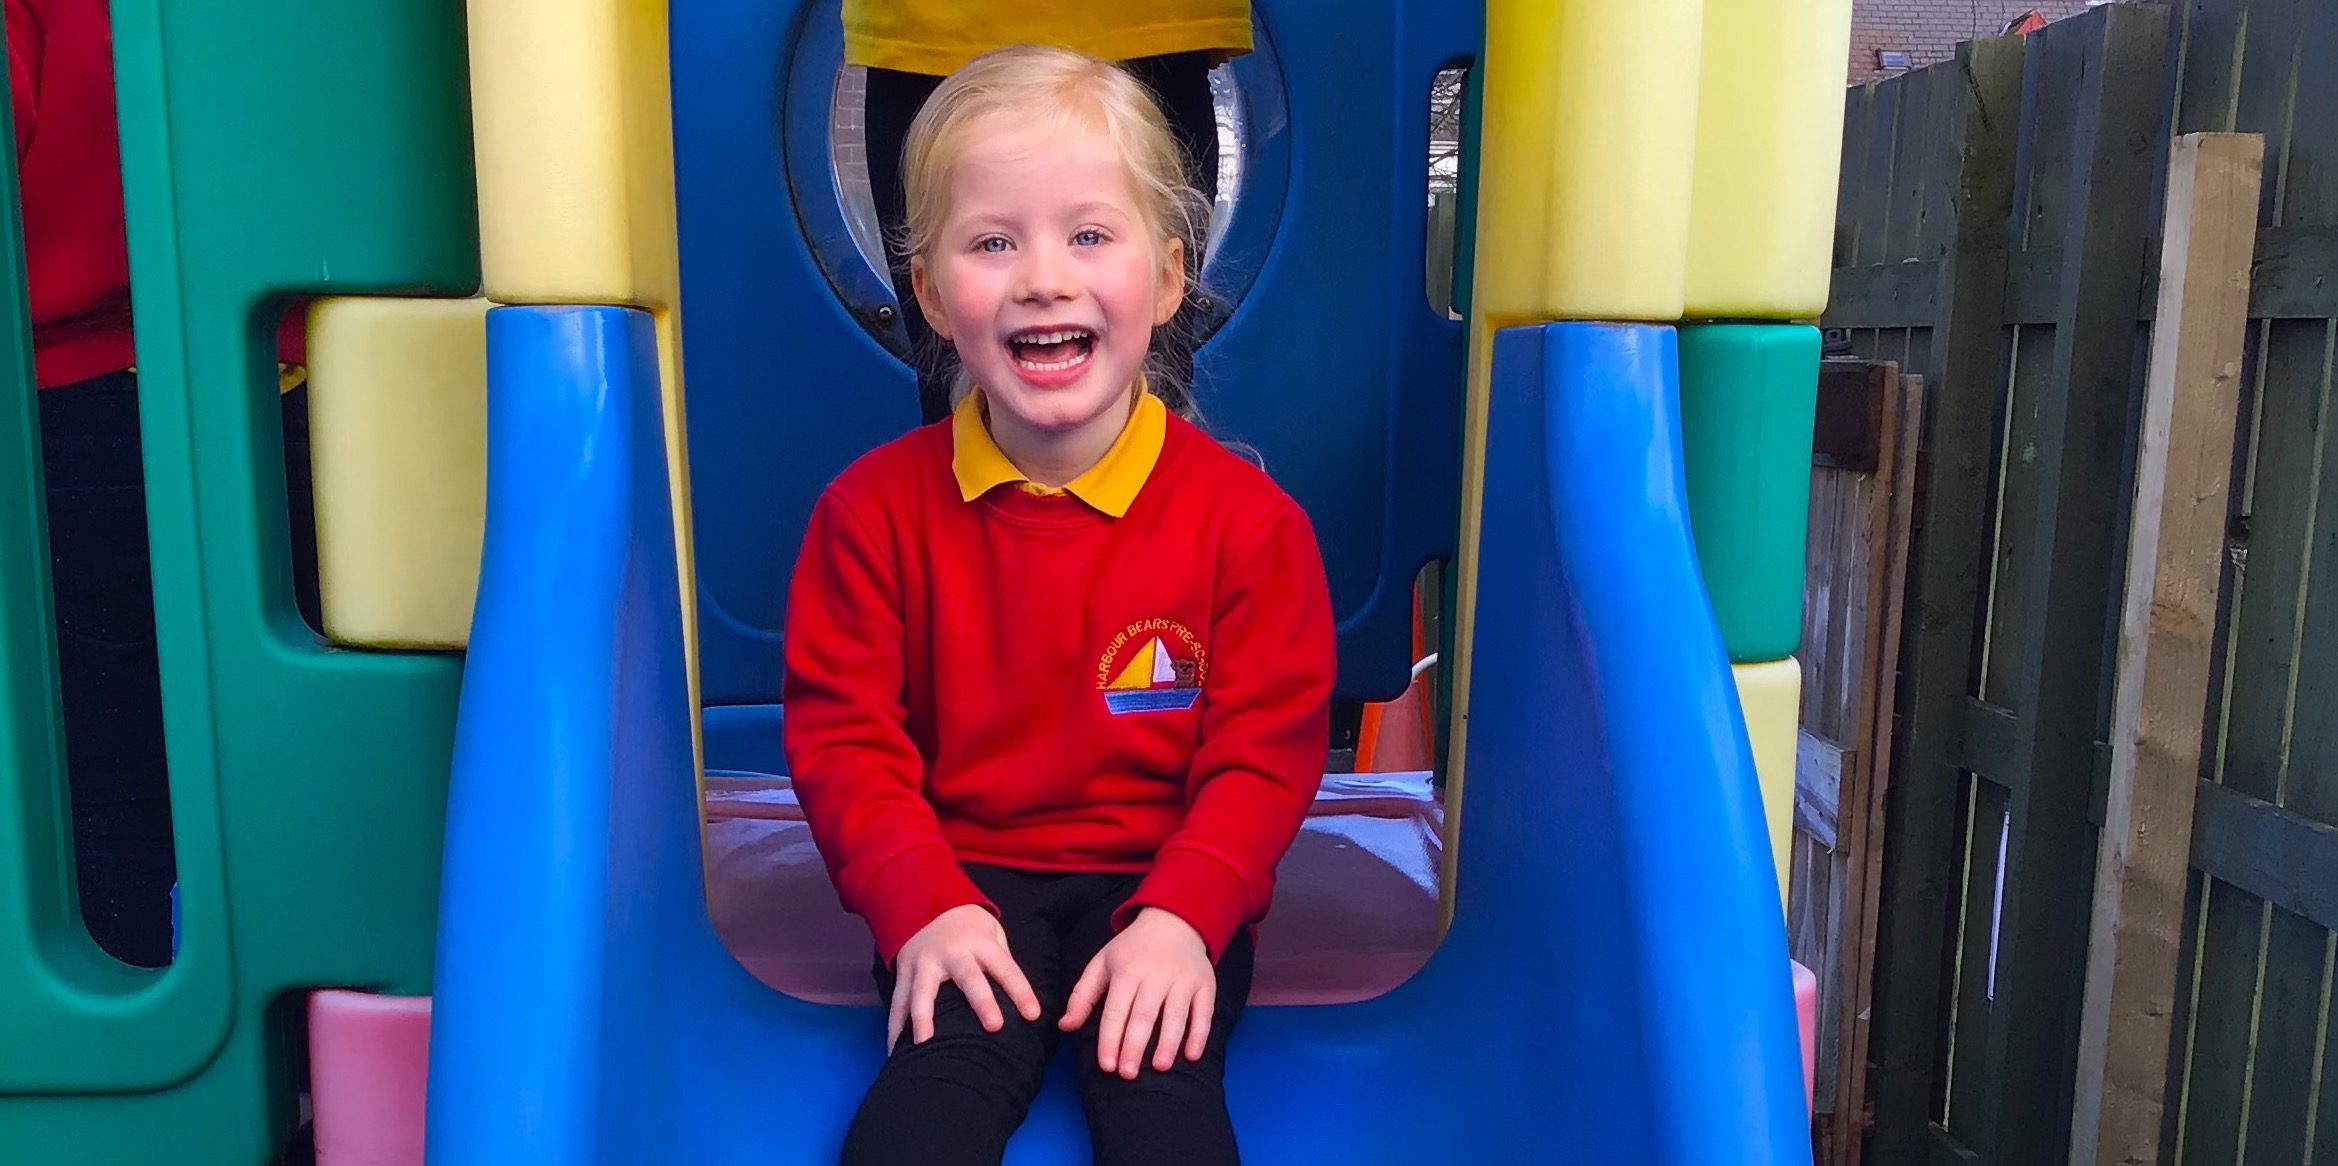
(1971,1113)
(2282,1070)
(2292,402)
(1851,191)
(1935,211)
(2261,103)
(2056,88)
(1875,207)
(2324,1146)
(2309,188)
(2217,1077)
(2175,554)
(1909,158)
(1919,362)
(2312,785)
(1925,802)
(1862,816)
(2212,46)
(2013,560)
(2063,618)
(2180,1023)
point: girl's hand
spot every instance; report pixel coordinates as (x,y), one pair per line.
(966,946)
(1157,970)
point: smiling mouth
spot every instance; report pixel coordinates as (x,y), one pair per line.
(1051,349)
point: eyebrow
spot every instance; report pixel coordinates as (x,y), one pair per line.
(996,220)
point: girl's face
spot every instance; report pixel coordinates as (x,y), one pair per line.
(1047,278)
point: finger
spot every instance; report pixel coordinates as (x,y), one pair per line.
(1002,967)
(921,1006)
(967,974)
(1141,1019)
(1173,1014)
(1197,1031)
(898,1013)
(1084,996)
(1119,999)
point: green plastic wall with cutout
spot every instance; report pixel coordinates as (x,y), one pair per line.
(271,149)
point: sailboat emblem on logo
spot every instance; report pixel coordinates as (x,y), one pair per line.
(1156,677)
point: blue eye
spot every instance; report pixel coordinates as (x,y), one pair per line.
(991,243)
(1088,238)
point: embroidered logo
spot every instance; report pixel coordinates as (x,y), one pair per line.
(1162,671)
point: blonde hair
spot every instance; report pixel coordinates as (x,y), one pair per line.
(1059,89)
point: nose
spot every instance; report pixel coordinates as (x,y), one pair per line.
(1046,275)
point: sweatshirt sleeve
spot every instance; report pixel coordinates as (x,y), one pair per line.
(857,773)
(24,57)
(1266,726)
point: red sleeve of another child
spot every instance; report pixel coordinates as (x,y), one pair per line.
(24,70)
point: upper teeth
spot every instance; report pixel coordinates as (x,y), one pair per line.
(1052,337)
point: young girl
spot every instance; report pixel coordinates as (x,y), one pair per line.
(1059,667)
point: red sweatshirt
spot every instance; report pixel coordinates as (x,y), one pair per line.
(1026,681)
(61,84)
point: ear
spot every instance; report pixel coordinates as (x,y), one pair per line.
(1169,290)
(929,300)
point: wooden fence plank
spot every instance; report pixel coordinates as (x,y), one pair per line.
(1926,799)
(2325,1125)
(2268,67)
(2281,1072)
(1888,295)
(2019,489)
(2312,761)
(1912,162)
(2309,188)
(2211,66)
(2293,407)
(1861,816)
(1875,180)
(1851,192)
(2216,1077)
(1971,1111)
(2167,629)
(2069,534)
(2270,851)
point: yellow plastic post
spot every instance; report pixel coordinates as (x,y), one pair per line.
(1589,144)
(572,113)
(398,434)
(1770,694)
(1769,134)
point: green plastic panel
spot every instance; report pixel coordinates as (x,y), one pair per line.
(271,148)
(1748,400)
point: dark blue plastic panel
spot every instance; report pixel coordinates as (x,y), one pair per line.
(1331,364)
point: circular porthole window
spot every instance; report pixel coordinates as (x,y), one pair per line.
(827,124)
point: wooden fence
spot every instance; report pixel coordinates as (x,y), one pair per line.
(1861,489)
(1997,235)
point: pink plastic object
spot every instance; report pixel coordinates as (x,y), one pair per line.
(368,1056)
(1806,1016)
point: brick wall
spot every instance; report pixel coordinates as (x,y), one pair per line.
(1930,29)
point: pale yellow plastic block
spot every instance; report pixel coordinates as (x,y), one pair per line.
(1589,141)
(1769,135)
(572,123)
(398,435)
(1771,696)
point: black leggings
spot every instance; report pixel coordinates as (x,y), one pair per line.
(103,581)
(955,1099)
(1180,81)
